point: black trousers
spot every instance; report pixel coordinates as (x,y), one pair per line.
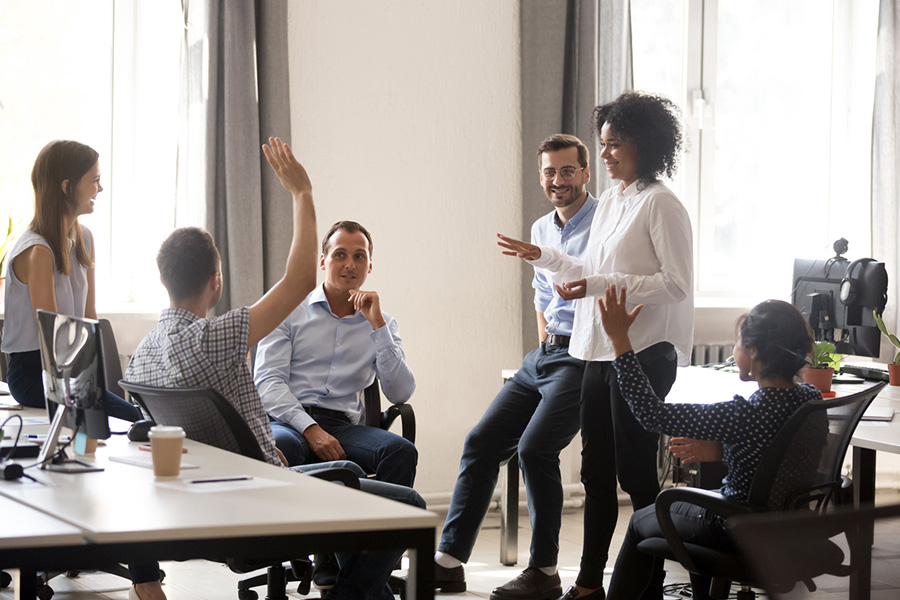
(615,448)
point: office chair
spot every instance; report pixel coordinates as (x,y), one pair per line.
(209,418)
(799,471)
(776,543)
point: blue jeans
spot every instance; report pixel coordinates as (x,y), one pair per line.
(364,575)
(390,457)
(535,413)
(614,446)
(26,385)
(634,569)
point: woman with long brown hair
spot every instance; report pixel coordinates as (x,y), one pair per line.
(51,266)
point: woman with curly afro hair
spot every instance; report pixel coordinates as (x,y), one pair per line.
(640,238)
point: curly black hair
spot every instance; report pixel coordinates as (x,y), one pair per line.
(781,336)
(653,123)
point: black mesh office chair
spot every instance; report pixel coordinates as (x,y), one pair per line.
(209,418)
(799,471)
(777,546)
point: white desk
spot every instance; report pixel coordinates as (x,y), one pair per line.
(127,514)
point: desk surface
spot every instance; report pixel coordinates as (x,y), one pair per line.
(24,527)
(127,503)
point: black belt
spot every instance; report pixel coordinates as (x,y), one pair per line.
(313,411)
(557,340)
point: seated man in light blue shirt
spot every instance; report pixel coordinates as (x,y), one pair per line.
(311,370)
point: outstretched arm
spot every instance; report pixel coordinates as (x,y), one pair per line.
(695,451)
(300,273)
(616,319)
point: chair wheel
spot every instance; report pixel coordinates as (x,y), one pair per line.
(247,595)
(5,579)
(162,575)
(45,592)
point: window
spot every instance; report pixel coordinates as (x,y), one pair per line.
(105,73)
(777,98)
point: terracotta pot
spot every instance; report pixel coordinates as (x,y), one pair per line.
(894,374)
(821,378)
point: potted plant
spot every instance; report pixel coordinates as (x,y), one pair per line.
(821,369)
(894,366)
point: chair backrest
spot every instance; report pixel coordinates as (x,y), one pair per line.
(809,450)
(112,366)
(372,404)
(205,415)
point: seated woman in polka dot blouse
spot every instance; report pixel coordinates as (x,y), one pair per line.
(772,345)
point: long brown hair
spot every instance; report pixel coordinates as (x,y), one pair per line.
(60,160)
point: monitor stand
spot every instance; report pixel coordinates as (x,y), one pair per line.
(48,451)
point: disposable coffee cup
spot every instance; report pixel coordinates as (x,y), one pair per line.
(165,446)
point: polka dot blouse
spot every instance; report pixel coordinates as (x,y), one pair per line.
(744,426)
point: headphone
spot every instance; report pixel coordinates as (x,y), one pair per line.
(849,289)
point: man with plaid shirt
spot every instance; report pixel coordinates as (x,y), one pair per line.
(189,349)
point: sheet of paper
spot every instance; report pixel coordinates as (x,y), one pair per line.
(226,483)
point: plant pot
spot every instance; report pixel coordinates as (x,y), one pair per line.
(821,378)
(894,374)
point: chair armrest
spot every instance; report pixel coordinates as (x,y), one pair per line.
(708,499)
(340,475)
(407,420)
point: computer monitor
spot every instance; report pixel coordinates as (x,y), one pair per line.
(838,296)
(74,382)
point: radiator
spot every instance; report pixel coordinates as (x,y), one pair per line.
(704,354)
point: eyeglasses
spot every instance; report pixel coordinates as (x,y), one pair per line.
(566,173)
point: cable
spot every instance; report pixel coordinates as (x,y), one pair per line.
(18,435)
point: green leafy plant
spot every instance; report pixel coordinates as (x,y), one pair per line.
(822,355)
(893,338)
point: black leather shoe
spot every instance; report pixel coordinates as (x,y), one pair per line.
(449,581)
(325,571)
(531,584)
(572,594)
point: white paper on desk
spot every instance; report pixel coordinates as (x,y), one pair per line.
(185,485)
(872,424)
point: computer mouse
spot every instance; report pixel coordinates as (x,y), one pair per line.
(140,431)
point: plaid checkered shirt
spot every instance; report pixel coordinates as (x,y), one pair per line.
(189,351)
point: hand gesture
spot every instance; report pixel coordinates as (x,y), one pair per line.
(572,290)
(369,305)
(323,445)
(615,316)
(290,172)
(518,248)
(693,451)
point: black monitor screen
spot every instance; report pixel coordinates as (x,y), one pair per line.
(73,371)
(838,297)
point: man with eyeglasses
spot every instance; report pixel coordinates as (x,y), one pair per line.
(537,411)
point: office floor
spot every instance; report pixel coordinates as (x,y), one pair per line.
(195,580)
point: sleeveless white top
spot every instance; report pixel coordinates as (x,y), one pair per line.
(20,332)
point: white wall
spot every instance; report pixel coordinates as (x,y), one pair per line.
(406,115)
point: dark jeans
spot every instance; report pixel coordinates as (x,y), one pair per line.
(26,385)
(536,412)
(634,568)
(615,446)
(392,458)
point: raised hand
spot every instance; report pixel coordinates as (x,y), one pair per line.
(616,319)
(289,171)
(518,248)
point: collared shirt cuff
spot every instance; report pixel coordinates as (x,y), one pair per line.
(382,337)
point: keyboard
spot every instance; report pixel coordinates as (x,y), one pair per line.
(867,370)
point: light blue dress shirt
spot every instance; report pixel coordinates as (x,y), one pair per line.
(571,239)
(315,358)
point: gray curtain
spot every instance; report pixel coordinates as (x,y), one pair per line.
(247,210)
(575,54)
(886,159)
